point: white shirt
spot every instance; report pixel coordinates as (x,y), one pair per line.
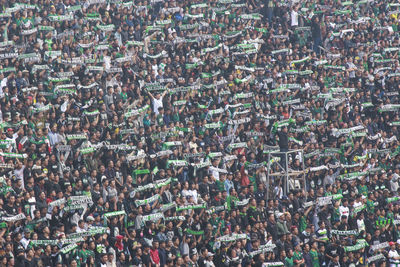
(3,84)
(25,242)
(107,62)
(157,103)
(209,263)
(185,193)
(357,204)
(19,174)
(295,18)
(394,185)
(352,73)
(193,193)
(215,174)
(360,225)
(344,211)
(392,255)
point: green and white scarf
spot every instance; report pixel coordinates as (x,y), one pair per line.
(232,238)
(60,18)
(254,16)
(175,218)
(153,217)
(344,233)
(106,28)
(389,107)
(147,201)
(191,207)
(136,112)
(360,245)
(15,218)
(13,155)
(69,248)
(375,258)
(76,137)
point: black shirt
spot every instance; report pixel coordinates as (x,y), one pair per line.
(146,259)
(283,140)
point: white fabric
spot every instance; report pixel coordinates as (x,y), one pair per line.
(393,254)
(344,211)
(294,18)
(157,103)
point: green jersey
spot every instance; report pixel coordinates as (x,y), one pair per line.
(297,256)
(314,258)
(289,262)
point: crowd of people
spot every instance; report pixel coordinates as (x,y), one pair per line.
(155,133)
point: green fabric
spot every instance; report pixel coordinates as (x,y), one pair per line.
(220,186)
(302,224)
(83,255)
(289,262)
(160,120)
(335,215)
(370,206)
(297,256)
(314,258)
(231,200)
(363,190)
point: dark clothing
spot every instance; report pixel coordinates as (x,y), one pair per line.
(283,141)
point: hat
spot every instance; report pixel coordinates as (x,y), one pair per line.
(391,243)
(10,130)
(89,218)
(209,254)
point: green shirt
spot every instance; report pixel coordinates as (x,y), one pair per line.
(84,255)
(302,224)
(220,185)
(160,120)
(230,200)
(363,190)
(370,206)
(124,95)
(297,256)
(289,262)
(336,215)
(175,117)
(314,258)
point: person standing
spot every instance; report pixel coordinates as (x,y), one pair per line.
(283,143)
(314,254)
(393,255)
(316,34)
